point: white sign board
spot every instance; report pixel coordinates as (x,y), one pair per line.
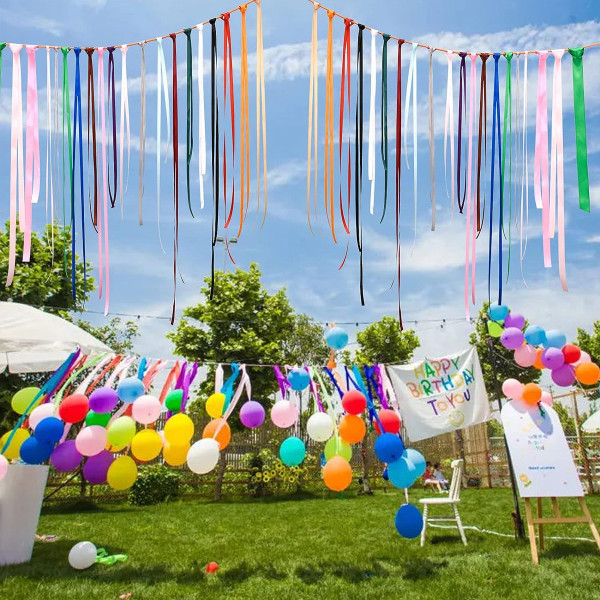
(541,457)
(440,395)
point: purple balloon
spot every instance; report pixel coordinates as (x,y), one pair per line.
(563,376)
(65,457)
(96,467)
(553,358)
(514,320)
(512,338)
(103,400)
(252,414)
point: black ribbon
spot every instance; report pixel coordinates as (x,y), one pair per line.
(112,103)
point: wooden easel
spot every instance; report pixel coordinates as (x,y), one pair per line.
(540,521)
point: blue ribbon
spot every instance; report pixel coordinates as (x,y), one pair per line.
(360,385)
(335,383)
(227,388)
(143,366)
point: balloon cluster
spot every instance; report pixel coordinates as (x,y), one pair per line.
(542,349)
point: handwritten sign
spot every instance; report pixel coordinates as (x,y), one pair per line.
(440,395)
(539,452)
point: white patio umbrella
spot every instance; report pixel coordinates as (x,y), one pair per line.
(32,340)
(592,423)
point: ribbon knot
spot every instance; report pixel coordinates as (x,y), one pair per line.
(576,53)
(224,16)
(243,8)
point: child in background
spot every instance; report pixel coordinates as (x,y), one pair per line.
(429,478)
(439,476)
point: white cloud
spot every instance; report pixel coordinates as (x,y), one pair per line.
(30,21)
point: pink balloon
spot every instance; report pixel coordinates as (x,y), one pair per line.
(39,413)
(91,440)
(284,414)
(512,389)
(525,355)
(146,409)
(563,376)
(585,357)
(547,398)
(3,467)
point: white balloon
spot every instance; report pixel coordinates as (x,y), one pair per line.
(39,413)
(3,466)
(203,456)
(319,427)
(82,555)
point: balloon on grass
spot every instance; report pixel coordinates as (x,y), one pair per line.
(82,555)
(402,473)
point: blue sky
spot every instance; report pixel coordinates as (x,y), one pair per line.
(289,255)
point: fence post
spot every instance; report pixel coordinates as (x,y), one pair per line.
(584,458)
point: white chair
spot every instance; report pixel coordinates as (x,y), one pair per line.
(453,499)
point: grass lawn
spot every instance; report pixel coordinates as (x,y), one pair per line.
(309,548)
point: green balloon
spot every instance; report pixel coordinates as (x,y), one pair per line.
(336,446)
(121,431)
(494,329)
(174,400)
(94,418)
(22,400)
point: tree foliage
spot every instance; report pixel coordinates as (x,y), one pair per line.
(590,342)
(119,337)
(384,342)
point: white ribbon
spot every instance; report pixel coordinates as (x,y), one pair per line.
(201,124)
(412,86)
(449,129)
(371,154)
(431,140)
(124,118)
(161,76)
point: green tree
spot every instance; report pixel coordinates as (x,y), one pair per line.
(245,323)
(590,342)
(505,366)
(384,342)
(119,337)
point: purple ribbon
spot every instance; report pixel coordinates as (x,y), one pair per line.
(313,389)
(284,384)
(187,382)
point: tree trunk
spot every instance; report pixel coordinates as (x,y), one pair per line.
(365,460)
(220,477)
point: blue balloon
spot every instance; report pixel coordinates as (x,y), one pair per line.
(402,473)
(292,451)
(34,452)
(385,475)
(49,430)
(535,335)
(299,379)
(388,447)
(417,459)
(555,339)
(498,312)
(130,389)
(336,338)
(409,521)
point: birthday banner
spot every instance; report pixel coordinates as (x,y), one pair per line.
(440,395)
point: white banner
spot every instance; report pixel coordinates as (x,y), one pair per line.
(440,395)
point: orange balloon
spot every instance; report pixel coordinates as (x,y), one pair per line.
(337,474)
(587,373)
(224,435)
(538,364)
(352,429)
(532,393)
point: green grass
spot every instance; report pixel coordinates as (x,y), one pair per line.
(311,548)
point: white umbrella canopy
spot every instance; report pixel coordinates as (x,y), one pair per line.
(592,423)
(32,340)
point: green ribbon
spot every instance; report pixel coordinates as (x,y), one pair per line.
(507,125)
(104,558)
(2,46)
(384,126)
(66,114)
(580,132)
(190,113)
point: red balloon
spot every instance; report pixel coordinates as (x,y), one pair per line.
(390,421)
(571,352)
(354,402)
(74,408)
(212,567)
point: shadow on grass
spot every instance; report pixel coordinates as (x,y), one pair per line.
(557,550)
(414,570)
(348,572)
(84,506)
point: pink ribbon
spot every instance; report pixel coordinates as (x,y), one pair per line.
(540,165)
(471,217)
(16,161)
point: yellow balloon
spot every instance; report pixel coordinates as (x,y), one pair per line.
(179,429)
(22,400)
(175,456)
(122,473)
(146,445)
(13,450)
(215,405)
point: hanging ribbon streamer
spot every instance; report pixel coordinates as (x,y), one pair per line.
(431,140)
(201,131)
(557,185)
(66,117)
(17,183)
(449,130)
(142,166)
(580,129)
(371,154)
(345,82)
(91,118)
(496,125)
(175,174)
(112,109)
(49,177)
(412,85)
(482,127)
(77,125)
(524,172)
(313,106)
(56,130)
(507,127)
(358,154)
(261,114)
(124,119)
(214,131)
(540,167)
(398,170)
(189,138)
(384,119)
(228,69)
(244,124)
(162,87)
(32,149)
(462,107)
(328,170)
